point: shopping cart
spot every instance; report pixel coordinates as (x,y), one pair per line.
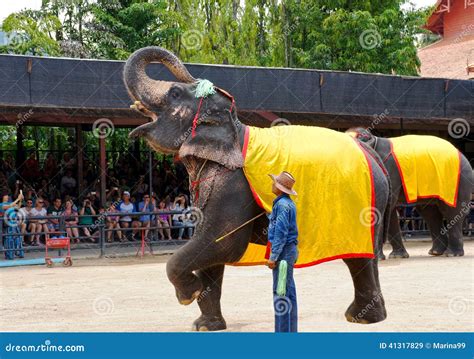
(58,242)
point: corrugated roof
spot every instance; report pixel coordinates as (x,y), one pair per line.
(448,58)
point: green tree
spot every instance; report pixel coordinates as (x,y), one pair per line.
(31,32)
(119,27)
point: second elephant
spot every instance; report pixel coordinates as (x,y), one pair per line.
(435,210)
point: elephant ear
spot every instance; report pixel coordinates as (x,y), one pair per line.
(216,139)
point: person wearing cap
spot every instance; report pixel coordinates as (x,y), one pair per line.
(283,234)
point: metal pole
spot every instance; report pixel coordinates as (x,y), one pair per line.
(103,167)
(102,237)
(79,158)
(150,175)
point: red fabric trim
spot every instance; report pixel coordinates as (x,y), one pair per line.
(246,142)
(436,196)
(319,261)
(196,116)
(340,256)
(457,183)
(244,154)
(372,190)
(268,251)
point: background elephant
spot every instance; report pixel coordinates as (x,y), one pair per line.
(225,199)
(447,237)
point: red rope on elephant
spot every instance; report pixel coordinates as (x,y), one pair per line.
(195,184)
(193,133)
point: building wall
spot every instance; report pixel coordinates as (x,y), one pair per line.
(459,22)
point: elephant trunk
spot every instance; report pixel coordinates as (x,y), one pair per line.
(143,88)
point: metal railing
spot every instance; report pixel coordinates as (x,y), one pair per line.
(98,230)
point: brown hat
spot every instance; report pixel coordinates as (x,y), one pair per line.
(284,182)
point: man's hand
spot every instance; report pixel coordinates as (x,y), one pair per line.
(271,264)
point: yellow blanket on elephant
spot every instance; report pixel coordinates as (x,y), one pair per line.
(429,167)
(334,205)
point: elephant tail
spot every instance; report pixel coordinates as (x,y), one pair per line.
(387,212)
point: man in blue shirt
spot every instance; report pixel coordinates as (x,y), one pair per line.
(283,234)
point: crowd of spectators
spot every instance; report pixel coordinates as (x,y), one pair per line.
(52,191)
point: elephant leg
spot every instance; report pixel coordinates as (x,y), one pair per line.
(180,270)
(209,300)
(395,237)
(434,219)
(368,305)
(455,219)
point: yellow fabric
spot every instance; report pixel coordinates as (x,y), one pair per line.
(429,167)
(334,186)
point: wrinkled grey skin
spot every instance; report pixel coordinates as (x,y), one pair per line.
(225,199)
(447,239)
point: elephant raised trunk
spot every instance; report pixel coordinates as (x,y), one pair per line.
(143,88)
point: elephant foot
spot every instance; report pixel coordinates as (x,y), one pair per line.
(190,292)
(454,253)
(399,253)
(209,323)
(436,252)
(187,300)
(373,312)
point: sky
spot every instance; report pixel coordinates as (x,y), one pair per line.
(9,6)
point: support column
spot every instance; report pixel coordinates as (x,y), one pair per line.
(20,149)
(80,158)
(150,170)
(102,167)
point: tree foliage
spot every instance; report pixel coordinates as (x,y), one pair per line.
(357,35)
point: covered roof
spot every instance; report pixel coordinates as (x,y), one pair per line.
(448,58)
(61,91)
(435,22)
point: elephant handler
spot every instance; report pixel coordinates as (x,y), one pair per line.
(282,234)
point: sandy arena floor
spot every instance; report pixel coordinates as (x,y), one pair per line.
(422,294)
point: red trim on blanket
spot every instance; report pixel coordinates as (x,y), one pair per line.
(340,256)
(372,190)
(436,196)
(319,261)
(244,154)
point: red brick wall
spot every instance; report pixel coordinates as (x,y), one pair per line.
(459,22)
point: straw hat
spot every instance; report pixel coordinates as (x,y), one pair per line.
(284,182)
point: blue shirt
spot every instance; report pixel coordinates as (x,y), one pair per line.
(149,208)
(10,214)
(282,229)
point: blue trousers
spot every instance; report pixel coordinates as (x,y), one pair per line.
(13,241)
(286,308)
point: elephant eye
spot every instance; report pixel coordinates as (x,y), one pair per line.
(175,93)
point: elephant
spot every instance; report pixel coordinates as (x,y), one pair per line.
(447,239)
(213,158)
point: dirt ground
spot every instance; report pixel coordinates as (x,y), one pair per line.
(422,293)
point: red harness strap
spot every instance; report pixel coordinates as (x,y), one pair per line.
(193,132)
(195,184)
(196,117)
